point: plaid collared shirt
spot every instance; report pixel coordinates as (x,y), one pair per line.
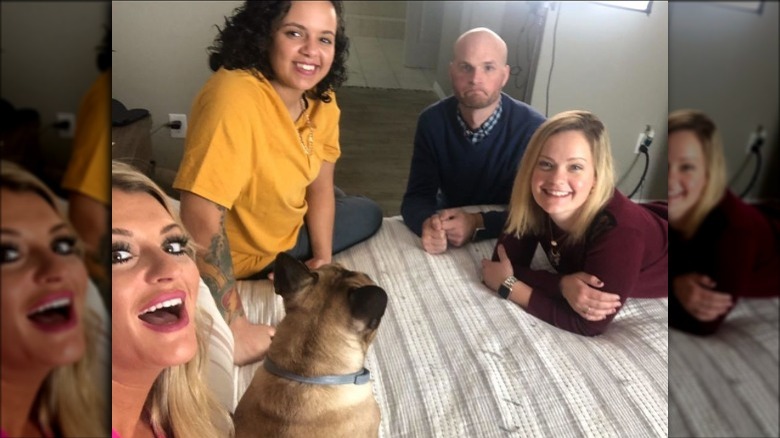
(483,131)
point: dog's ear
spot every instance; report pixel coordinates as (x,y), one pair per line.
(368,303)
(290,274)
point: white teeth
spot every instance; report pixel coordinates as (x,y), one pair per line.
(60,302)
(557,193)
(307,67)
(166,303)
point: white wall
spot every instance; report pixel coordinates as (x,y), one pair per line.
(48,61)
(725,62)
(381,19)
(160,60)
(612,62)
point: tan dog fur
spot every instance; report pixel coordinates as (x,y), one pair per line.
(328,327)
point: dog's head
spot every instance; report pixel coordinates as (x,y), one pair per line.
(328,308)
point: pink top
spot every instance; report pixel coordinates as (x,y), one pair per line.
(115,434)
(3,434)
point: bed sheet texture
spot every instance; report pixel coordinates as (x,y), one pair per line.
(726,385)
(452,359)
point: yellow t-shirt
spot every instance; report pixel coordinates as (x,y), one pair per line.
(88,168)
(244,153)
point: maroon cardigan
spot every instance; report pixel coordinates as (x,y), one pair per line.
(627,251)
(736,247)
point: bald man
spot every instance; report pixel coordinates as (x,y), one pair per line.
(467,148)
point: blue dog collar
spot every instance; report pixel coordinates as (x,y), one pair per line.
(359,378)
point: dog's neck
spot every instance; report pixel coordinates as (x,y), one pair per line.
(359,378)
(331,353)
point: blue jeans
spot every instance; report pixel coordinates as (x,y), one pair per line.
(357,219)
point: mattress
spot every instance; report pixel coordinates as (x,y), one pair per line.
(451,359)
(726,385)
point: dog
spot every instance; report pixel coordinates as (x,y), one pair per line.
(312,382)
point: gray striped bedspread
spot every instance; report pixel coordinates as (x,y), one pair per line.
(726,385)
(451,359)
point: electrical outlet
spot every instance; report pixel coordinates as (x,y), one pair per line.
(66,124)
(756,135)
(644,137)
(751,140)
(182,131)
(639,141)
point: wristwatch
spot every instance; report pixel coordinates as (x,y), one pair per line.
(506,287)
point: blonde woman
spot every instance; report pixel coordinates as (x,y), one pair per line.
(158,331)
(49,346)
(723,248)
(574,248)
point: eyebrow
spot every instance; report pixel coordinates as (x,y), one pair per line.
(464,62)
(169,227)
(128,233)
(52,230)
(568,159)
(302,27)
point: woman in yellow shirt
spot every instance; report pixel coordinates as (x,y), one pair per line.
(257,173)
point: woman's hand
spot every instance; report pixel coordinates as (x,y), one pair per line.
(316,262)
(697,295)
(592,304)
(250,341)
(494,273)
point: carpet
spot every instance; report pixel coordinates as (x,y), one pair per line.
(377,135)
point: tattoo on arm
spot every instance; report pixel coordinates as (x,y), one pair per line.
(216,269)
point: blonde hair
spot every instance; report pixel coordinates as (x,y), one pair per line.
(525,215)
(714,164)
(179,396)
(68,401)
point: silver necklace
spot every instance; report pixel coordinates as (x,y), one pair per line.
(555,251)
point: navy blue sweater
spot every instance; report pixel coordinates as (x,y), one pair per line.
(467,174)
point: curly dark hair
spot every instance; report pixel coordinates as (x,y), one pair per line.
(245,43)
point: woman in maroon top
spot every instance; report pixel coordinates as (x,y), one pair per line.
(722,248)
(574,248)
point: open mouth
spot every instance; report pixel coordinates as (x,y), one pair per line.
(165,313)
(54,313)
(556,193)
(305,67)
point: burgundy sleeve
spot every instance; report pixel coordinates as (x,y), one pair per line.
(616,259)
(520,253)
(734,264)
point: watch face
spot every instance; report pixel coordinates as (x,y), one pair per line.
(503,291)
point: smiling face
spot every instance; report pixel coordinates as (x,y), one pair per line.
(687,173)
(44,283)
(304,46)
(154,285)
(563,176)
(478,70)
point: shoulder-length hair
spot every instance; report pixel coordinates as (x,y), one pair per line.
(68,403)
(525,215)
(714,164)
(180,403)
(246,39)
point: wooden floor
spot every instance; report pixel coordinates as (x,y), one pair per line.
(377,135)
